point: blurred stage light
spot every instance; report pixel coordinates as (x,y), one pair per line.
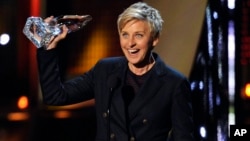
(247,91)
(203,132)
(231,4)
(18,116)
(23,102)
(4,39)
(62,114)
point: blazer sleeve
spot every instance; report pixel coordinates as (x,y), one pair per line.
(182,115)
(56,92)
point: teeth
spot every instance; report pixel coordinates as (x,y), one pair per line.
(133,50)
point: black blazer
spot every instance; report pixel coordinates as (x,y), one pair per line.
(161,108)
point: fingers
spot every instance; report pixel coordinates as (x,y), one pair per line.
(63,34)
(54,41)
(48,19)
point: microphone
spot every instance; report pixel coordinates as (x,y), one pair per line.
(112,83)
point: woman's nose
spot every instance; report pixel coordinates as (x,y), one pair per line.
(131,42)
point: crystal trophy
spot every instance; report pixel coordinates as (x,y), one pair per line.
(41,33)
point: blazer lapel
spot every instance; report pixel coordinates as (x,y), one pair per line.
(117,103)
(148,90)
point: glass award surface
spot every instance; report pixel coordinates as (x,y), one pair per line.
(40,33)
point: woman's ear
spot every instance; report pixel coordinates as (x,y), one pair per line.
(155,41)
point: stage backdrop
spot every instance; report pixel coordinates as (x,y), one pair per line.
(181,31)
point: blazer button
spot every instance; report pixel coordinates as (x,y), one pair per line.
(112,136)
(144,121)
(104,115)
(132,138)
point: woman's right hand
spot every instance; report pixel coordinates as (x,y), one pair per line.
(54,40)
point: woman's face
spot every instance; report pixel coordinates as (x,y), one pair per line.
(136,42)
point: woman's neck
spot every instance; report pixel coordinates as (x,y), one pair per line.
(140,70)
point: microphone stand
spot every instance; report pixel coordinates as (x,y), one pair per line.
(109,112)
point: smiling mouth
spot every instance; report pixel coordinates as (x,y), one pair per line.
(133,51)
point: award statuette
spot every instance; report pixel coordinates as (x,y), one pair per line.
(40,33)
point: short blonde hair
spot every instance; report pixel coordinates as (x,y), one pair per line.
(144,12)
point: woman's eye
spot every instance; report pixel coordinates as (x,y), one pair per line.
(125,35)
(138,35)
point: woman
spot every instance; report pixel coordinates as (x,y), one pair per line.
(137,96)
